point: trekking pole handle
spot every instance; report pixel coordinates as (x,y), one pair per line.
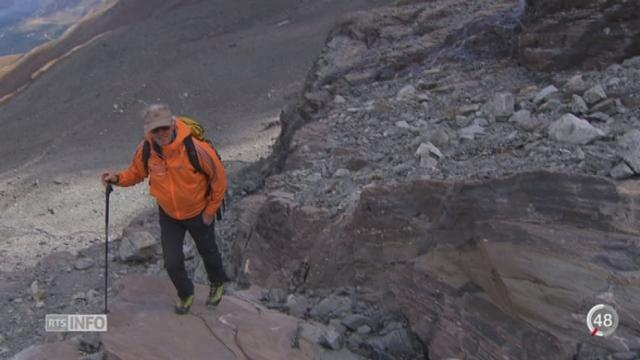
(109,189)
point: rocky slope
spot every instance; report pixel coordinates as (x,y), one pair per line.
(474,196)
(430,198)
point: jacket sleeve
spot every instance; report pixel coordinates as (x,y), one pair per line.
(136,172)
(212,165)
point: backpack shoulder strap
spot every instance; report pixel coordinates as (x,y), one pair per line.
(193,159)
(146,154)
(193,154)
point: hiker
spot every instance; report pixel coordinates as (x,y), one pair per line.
(188,199)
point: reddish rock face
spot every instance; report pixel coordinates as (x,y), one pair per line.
(586,33)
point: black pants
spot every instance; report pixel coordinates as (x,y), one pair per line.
(172,235)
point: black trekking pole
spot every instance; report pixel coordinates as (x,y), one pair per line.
(108,191)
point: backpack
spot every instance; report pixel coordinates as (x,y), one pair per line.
(197,131)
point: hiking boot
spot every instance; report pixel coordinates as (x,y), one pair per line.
(183,306)
(215,294)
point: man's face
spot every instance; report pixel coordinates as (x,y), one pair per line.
(162,135)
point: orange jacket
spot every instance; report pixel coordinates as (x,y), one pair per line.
(179,189)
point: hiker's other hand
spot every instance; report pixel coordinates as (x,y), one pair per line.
(207,220)
(109,178)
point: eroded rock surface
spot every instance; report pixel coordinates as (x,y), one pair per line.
(585,33)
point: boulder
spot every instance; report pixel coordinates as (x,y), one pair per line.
(574,130)
(630,145)
(502,105)
(546,94)
(137,246)
(576,84)
(578,105)
(594,95)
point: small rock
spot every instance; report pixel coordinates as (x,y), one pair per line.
(403,125)
(574,130)
(331,339)
(524,120)
(613,82)
(339,99)
(137,246)
(93,295)
(336,324)
(427,149)
(620,108)
(545,94)
(312,332)
(277,296)
(427,162)
(79,296)
(439,138)
(318,98)
(100,355)
(355,342)
(551,105)
(630,140)
(397,342)
(633,62)
(354,321)
(298,305)
(608,106)
(402,168)
(39,304)
(406,93)
(468,109)
(87,342)
(600,117)
(2,339)
(469,132)
(621,171)
(83,263)
(578,105)
(332,305)
(576,84)
(34,288)
(503,105)
(342,172)
(481,122)
(364,330)
(461,121)
(594,95)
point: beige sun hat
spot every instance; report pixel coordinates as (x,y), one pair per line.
(157,115)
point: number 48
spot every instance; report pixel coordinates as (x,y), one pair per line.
(603,319)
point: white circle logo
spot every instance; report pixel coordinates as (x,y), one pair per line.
(602,320)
